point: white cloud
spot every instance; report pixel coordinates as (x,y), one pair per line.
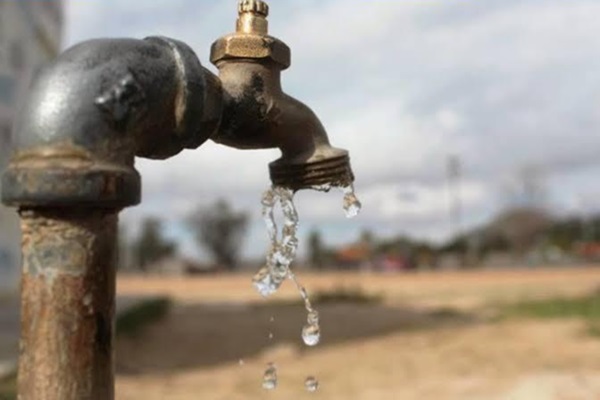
(402,85)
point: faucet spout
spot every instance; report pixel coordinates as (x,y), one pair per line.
(258,114)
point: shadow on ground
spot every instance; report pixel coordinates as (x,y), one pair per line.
(197,336)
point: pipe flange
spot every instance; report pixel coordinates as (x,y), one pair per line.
(45,179)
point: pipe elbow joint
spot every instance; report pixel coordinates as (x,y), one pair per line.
(97,106)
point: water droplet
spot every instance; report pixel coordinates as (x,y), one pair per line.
(270,377)
(272,319)
(311,334)
(264,283)
(311,384)
(271,335)
(313,317)
(352,205)
(241,362)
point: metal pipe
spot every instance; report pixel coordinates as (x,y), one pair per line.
(67,304)
(97,106)
(88,114)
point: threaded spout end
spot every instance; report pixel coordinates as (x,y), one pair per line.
(330,172)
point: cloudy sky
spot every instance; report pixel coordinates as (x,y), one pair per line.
(511,87)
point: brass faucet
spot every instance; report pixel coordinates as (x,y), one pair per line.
(87,115)
(258,114)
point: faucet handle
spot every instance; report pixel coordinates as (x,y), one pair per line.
(253,6)
(252,17)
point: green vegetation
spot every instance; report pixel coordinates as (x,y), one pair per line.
(8,388)
(151,246)
(136,318)
(586,308)
(593,328)
(129,323)
(343,294)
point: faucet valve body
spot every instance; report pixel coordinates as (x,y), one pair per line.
(258,114)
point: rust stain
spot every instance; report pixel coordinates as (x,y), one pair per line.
(68,290)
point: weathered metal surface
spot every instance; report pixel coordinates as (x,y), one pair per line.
(330,172)
(106,185)
(123,99)
(265,48)
(258,114)
(68,292)
(109,100)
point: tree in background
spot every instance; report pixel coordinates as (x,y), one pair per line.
(151,246)
(522,227)
(220,230)
(316,250)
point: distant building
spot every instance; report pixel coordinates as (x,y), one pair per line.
(353,257)
(30,34)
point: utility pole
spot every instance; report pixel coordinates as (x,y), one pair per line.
(454,175)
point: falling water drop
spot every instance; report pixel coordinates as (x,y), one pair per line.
(311,384)
(270,377)
(311,334)
(352,205)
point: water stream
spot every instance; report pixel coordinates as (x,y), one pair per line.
(282,252)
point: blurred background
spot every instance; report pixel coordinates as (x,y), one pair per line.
(471,272)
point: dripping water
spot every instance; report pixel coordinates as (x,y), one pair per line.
(311,384)
(270,377)
(352,205)
(280,256)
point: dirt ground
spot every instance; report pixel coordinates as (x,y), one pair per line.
(432,338)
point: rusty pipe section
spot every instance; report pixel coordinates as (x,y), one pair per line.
(68,292)
(258,114)
(97,106)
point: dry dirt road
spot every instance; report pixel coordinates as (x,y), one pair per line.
(214,344)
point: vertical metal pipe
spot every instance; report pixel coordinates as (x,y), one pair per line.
(68,302)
